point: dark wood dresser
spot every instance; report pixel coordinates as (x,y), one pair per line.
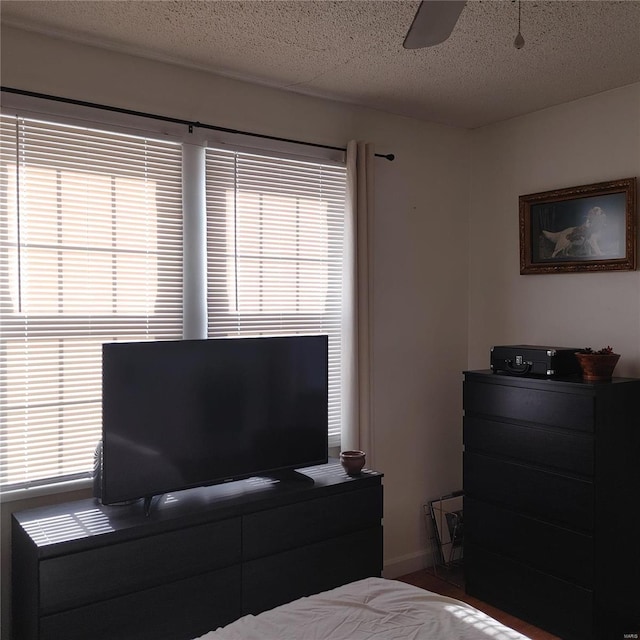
(552,501)
(199,560)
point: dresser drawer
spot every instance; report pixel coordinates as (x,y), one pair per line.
(307,522)
(562,450)
(555,550)
(176,611)
(113,570)
(558,606)
(274,580)
(540,494)
(526,404)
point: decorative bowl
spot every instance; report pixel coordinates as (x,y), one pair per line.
(597,366)
(352,461)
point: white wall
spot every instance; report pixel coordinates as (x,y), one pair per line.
(446,266)
(420,252)
(594,139)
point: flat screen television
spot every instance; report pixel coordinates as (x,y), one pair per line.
(189,413)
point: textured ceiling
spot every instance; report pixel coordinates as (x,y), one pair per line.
(352,50)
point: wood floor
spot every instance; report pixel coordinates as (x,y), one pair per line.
(451,586)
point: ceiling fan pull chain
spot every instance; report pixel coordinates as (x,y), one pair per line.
(518,43)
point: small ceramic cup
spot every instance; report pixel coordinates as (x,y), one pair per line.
(352,461)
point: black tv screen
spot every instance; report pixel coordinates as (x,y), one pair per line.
(181,414)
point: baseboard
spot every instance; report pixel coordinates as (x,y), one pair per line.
(401,565)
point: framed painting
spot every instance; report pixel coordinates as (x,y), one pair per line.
(586,228)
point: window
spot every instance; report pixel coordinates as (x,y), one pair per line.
(275,231)
(91,242)
(92,247)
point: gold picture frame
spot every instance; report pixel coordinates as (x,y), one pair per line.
(587,228)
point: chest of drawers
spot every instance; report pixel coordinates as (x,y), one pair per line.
(552,516)
(199,560)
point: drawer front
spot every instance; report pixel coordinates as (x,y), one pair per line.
(269,582)
(548,496)
(561,450)
(555,605)
(557,551)
(178,611)
(310,521)
(537,406)
(113,570)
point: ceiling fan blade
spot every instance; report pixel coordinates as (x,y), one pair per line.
(433,23)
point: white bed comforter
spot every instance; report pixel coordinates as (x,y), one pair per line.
(370,609)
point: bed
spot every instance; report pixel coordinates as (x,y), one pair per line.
(369,609)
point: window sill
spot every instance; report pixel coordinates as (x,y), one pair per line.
(45,490)
(54,488)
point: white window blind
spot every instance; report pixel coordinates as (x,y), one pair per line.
(275,231)
(91,252)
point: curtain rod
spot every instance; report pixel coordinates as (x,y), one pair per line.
(189,123)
